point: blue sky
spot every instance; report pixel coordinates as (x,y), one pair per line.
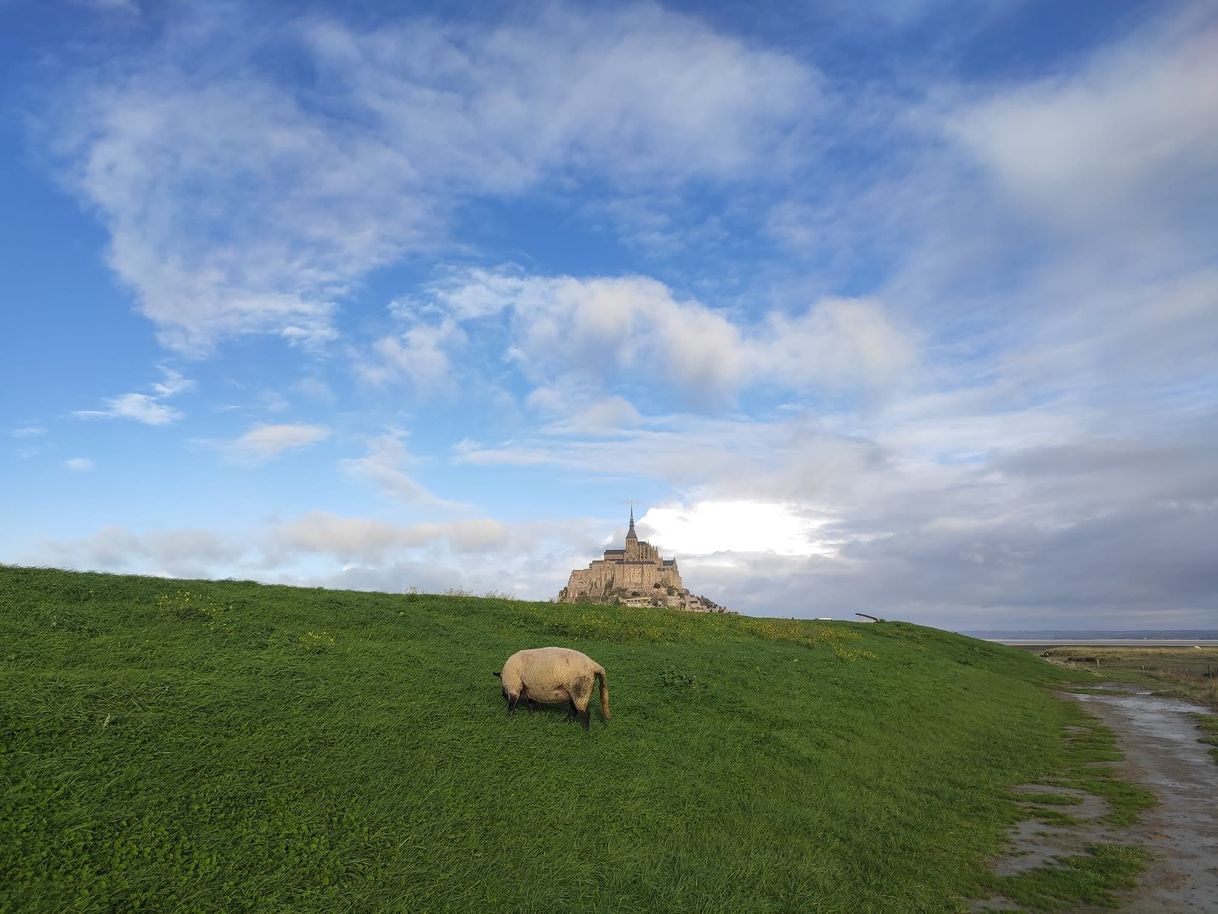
(882,307)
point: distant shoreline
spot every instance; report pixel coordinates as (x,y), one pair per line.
(1104,642)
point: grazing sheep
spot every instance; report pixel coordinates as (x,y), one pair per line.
(554,675)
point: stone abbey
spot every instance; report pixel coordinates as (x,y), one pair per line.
(634,576)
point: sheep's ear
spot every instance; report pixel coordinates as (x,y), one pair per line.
(497,673)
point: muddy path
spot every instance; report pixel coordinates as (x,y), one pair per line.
(1159,739)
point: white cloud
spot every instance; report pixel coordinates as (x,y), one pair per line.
(602,329)
(1117,146)
(419,354)
(795,459)
(578,411)
(267,442)
(970,425)
(171,384)
(707,527)
(78,464)
(245,204)
(607,331)
(531,559)
(146,408)
(178,553)
(28,431)
(349,538)
(1120,344)
(630,91)
(384,467)
(319,548)
(140,407)
(836,342)
(122,6)
(897,14)
(353,539)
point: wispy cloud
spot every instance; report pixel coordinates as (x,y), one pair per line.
(140,407)
(78,464)
(176,552)
(250,204)
(384,466)
(421,354)
(1088,197)
(605,330)
(1113,149)
(572,410)
(361,539)
(264,443)
(146,408)
(122,6)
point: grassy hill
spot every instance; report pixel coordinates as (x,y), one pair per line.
(225,746)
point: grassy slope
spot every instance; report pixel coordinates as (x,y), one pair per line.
(228,746)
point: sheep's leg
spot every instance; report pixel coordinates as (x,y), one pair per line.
(581,692)
(512,699)
(572,711)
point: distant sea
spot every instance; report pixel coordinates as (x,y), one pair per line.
(1091,636)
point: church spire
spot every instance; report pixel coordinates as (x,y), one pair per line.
(630,534)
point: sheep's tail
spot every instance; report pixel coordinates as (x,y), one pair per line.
(604,694)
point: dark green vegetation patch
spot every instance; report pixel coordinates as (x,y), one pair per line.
(225,746)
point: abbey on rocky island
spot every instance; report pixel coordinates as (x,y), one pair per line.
(634,576)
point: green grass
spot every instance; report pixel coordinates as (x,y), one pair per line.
(1086,879)
(1094,878)
(1208,724)
(1095,743)
(226,746)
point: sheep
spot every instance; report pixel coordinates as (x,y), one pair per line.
(553,675)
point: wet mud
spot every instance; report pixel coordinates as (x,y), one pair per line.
(1159,739)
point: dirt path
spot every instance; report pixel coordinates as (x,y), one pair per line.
(1160,741)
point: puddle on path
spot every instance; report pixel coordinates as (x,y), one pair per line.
(1160,741)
